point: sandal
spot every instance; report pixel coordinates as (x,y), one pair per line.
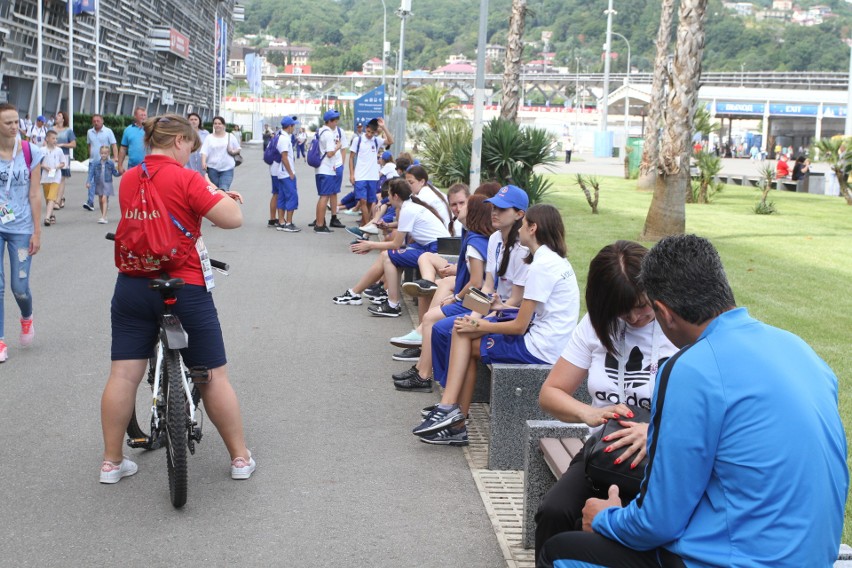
(53,219)
(47,222)
(62,203)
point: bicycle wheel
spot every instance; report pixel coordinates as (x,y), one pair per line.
(140,429)
(176,427)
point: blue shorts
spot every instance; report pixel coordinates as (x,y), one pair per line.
(349,201)
(134,314)
(276,186)
(455,309)
(407,257)
(339,177)
(366,190)
(327,185)
(500,348)
(390,215)
(288,198)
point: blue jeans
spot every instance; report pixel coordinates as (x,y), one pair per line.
(19,273)
(221,179)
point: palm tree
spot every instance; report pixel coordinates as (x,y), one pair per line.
(837,153)
(667,214)
(512,72)
(651,151)
(432,105)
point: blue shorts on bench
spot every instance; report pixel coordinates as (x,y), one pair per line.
(407,257)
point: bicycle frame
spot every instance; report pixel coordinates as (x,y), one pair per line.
(158,367)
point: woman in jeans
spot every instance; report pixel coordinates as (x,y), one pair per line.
(217,155)
(20,204)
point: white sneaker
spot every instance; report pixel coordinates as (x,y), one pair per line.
(27,332)
(242,469)
(112,473)
(370,228)
(102,221)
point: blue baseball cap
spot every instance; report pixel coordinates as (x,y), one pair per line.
(330,115)
(40,118)
(288,121)
(510,196)
(386,156)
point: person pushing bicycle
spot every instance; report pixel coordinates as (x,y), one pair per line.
(136,309)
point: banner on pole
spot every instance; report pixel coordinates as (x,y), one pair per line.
(254,72)
(221,48)
(370,105)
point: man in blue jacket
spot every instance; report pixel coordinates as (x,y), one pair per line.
(747,453)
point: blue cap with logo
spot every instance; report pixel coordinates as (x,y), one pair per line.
(288,121)
(386,156)
(510,196)
(40,118)
(330,115)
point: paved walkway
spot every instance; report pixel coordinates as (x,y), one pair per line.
(340,480)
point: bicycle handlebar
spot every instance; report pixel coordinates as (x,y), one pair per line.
(217,264)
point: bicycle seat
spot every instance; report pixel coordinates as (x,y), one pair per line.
(166,284)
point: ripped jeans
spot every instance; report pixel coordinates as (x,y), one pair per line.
(19,272)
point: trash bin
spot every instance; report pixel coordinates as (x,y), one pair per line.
(634,155)
(615,151)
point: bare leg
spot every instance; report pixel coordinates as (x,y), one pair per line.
(365,211)
(103,203)
(223,408)
(117,403)
(373,274)
(391,273)
(464,351)
(273,205)
(321,205)
(424,364)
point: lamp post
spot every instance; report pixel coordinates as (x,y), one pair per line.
(603,138)
(398,115)
(479,97)
(627,92)
(384,39)
(577,100)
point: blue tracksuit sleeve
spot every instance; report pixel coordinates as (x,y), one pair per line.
(683,438)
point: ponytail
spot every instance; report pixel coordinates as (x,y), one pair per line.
(507,247)
(400,188)
(420,202)
(439,193)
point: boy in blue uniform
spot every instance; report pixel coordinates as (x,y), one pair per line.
(747,453)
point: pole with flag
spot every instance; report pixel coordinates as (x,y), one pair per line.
(71,63)
(97,57)
(215,57)
(39,78)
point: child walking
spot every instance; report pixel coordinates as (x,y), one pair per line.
(51,175)
(101,173)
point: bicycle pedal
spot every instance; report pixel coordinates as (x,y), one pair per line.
(199,375)
(138,442)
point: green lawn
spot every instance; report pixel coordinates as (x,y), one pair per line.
(792,269)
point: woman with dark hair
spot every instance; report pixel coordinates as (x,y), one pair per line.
(616,349)
(217,155)
(67,140)
(418,179)
(194,162)
(135,308)
(551,297)
(418,220)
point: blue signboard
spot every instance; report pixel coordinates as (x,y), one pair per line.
(370,105)
(789,109)
(834,111)
(739,108)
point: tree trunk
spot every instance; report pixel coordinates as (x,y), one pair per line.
(514,51)
(667,214)
(650,152)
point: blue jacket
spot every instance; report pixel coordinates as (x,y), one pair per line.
(95,172)
(747,454)
(479,243)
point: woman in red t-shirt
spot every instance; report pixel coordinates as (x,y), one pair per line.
(135,308)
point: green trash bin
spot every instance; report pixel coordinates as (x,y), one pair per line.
(634,155)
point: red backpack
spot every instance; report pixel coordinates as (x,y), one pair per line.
(149,239)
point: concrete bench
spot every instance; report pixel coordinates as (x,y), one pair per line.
(550,446)
(514,400)
(787,185)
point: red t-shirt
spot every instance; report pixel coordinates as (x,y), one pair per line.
(782,169)
(185,194)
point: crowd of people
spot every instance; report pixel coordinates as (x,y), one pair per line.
(662,333)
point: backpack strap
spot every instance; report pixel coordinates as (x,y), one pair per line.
(28,153)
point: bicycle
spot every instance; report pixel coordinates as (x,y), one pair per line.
(173,418)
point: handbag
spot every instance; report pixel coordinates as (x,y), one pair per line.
(238,158)
(601,468)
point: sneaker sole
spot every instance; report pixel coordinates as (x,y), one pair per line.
(397,342)
(443,425)
(243,475)
(112,480)
(347,302)
(409,359)
(445,442)
(416,291)
(377,301)
(383,315)
(413,389)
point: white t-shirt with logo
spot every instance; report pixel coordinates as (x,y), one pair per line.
(420,223)
(367,157)
(436,198)
(389,171)
(552,284)
(285,144)
(638,348)
(328,139)
(516,271)
(37,134)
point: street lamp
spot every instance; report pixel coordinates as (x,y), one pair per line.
(627,91)
(603,139)
(384,39)
(399,113)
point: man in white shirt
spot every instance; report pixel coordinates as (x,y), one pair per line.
(364,174)
(38,132)
(331,141)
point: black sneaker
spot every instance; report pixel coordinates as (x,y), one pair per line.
(324,230)
(408,354)
(406,374)
(88,207)
(335,222)
(438,420)
(375,291)
(414,384)
(312,224)
(272,224)
(447,437)
(385,310)
(419,288)
(426,410)
(347,298)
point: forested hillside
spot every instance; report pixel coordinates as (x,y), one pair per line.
(345,33)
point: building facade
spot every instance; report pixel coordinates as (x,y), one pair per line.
(157,54)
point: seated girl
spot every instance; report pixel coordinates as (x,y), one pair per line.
(616,349)
(551,296)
